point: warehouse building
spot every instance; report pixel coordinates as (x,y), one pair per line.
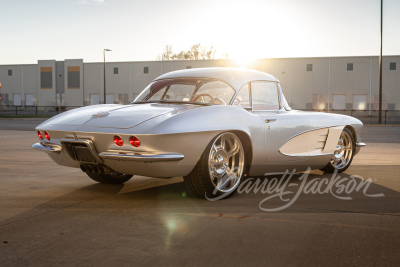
(329,83)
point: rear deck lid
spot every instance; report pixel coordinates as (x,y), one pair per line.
(119,116)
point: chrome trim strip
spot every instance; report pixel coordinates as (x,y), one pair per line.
(359,144)
(145,157)
(89,144)
(305,155)
(46,147)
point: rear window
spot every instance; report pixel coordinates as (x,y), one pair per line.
(210,91)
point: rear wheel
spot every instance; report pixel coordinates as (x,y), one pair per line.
(220,168)
(343,154)
(112,178)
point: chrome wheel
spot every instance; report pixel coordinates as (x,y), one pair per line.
(344,151)
(226,162)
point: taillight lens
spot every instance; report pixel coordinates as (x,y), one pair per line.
(134,141)
(46,134)
(118,140)
(40,135)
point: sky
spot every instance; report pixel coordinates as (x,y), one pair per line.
(244,29)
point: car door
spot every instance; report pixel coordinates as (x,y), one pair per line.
(280,125)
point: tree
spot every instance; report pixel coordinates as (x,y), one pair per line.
(196,52)
(167,54)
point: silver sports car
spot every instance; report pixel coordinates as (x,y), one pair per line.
(212,126)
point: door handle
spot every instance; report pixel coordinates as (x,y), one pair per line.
(270,120)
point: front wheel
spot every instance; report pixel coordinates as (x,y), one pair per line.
(220,168)
(343,155)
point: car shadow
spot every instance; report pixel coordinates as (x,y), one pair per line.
(371,198)
(364,198)
(71,199)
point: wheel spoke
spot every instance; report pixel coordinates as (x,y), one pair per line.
(234,149)
(213,173)
(214,149)
(223,142)
(336,161)
(229,143)
(223,181)
(233,164)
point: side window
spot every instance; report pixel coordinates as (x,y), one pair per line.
(265,95)
(243,97)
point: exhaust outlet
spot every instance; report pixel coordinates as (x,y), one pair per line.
(95,169)
(82,168)
(89,168)
(99,169)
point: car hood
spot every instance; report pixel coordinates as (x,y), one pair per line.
(118,116)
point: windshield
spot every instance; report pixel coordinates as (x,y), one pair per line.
(200,90)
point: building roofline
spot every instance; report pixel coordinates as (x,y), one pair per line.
(201,60)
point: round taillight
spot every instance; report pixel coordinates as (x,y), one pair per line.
(40,135)
(46,134)
(118,140)
(134,141)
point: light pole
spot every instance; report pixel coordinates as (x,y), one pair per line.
(380,70)
(104,54)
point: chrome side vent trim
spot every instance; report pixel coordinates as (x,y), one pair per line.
(323,139)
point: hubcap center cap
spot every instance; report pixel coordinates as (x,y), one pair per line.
(221,161)
(339,152)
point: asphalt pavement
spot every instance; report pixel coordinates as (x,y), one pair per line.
(21,124)
(52,215)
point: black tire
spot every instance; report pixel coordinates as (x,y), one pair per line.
(340,165)
(113,178)
(200,180)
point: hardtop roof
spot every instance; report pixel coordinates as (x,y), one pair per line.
(236,77)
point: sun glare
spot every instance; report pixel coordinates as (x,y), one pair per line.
(244,60)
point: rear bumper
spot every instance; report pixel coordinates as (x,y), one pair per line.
(46,147)
(125,156)
(359,145)
(143,157)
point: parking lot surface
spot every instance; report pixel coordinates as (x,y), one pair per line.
(52,215)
